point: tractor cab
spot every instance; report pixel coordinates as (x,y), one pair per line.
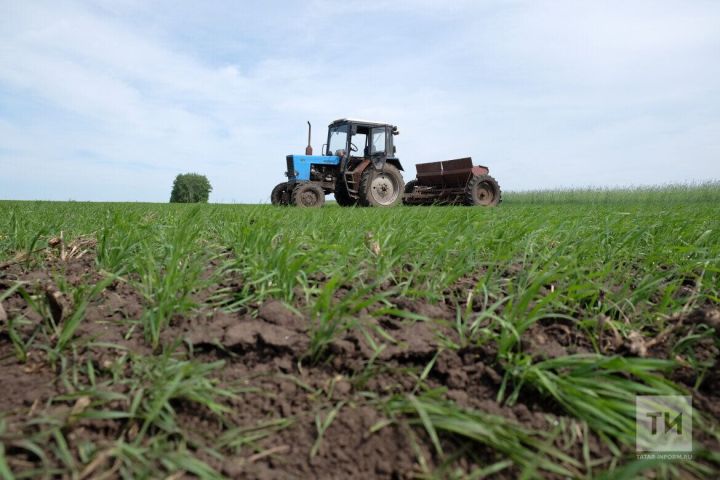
(355,141)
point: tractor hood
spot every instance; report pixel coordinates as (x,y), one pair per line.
(298,166)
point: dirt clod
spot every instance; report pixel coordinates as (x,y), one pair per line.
(636,344)
(250,332)
(277,313)
(709,316)
(542,343)
(59,306)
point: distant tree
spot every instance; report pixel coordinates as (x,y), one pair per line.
(190,188)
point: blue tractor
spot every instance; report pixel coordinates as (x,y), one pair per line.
(358,165)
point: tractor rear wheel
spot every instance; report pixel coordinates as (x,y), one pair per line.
(382,188)
(483,190)
(308,195)
(280,195)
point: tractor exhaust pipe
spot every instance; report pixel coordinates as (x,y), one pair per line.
(308,149)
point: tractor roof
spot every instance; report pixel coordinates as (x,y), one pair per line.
(359,122)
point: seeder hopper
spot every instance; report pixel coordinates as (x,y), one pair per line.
(456,182)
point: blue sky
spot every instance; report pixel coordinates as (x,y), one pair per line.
(109,100)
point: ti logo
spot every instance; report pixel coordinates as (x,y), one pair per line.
(665,418)
(663,423)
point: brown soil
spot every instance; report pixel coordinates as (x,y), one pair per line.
(265,353)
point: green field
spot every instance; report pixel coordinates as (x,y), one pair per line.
(245,341)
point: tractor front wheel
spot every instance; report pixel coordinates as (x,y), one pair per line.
(308,195)
(483,190)
(382,188)
(280,195)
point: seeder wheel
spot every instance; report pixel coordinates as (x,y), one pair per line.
(483,190)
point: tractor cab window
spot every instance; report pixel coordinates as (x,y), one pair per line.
(359,143)
(337,139)
(378,141)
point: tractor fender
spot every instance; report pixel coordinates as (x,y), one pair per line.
(395,163)
(379,164)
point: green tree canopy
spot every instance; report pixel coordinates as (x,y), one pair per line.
(190,188)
